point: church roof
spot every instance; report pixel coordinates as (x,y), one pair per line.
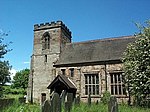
(96,51)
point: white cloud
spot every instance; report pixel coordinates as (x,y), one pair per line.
(12,73)
(26,62)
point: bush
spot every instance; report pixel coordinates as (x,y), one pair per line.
(106,97)
(7,91)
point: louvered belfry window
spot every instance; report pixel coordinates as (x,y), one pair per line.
(46,41)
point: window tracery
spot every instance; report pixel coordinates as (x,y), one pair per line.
(46,41)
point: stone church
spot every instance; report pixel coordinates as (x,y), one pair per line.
(92,67)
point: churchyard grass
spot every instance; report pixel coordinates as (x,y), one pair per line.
(83,107)
(22,107)
(126,108)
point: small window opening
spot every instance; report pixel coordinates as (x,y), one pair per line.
(72,72)
(45,60)
(43,97)
(46,41)
(63,71)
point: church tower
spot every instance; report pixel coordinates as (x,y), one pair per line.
(49,40)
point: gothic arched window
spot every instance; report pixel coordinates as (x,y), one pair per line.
(46,41)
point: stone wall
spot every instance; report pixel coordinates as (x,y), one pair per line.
(101,70)
(42,70)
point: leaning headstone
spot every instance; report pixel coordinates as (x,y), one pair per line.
(62,96)
(68,103)
(97,102)
(112,104)
(77,100)
(55,103)
(89,99)
(46,106)
(68,106)
(22,100)
(70,97)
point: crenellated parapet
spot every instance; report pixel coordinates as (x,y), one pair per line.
(50,25)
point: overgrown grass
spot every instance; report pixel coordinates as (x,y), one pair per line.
(104,108)
(126,108)
(83,107)
(17,107)
(92,108)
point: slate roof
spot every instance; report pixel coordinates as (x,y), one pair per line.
(64,80)
(103,50)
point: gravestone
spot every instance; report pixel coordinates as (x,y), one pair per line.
(62,96)
(112,104)
(70,97)
(67,107)
(96,102)
(77,100)
(68,104)
(56,103)
(46,106)
(89,99)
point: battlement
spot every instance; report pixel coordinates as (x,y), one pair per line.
(50,25)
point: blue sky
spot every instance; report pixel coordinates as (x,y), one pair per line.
(87,19)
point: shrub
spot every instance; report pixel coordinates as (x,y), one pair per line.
(106,97)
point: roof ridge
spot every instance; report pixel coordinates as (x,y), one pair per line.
(72,82)
(102,39)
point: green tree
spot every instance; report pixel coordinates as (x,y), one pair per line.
(4,65)
(4,72)
(136,62)
(21,79)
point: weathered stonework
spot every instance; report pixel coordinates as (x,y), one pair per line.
(43,72)
(93,61)
(79,79)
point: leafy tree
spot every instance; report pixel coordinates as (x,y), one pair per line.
(3,47)
(4,72)
(4,65)
(21,79)
(136,62)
